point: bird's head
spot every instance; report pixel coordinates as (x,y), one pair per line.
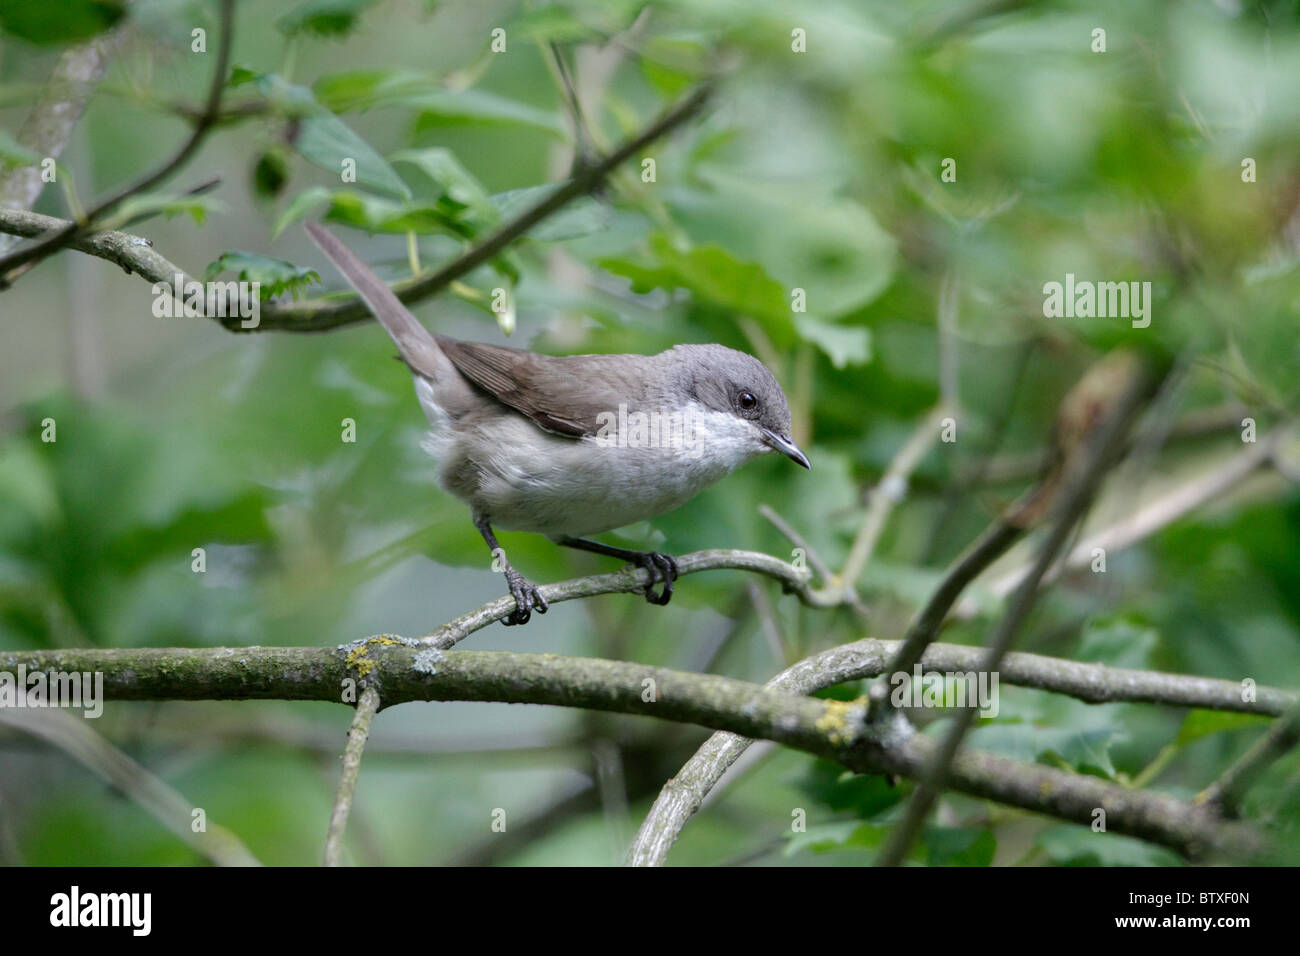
(732,383)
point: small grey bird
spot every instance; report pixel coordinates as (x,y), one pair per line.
(575,445)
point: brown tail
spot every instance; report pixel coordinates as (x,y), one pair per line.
(418,346)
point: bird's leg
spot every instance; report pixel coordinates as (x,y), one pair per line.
(527,597)
(662,567)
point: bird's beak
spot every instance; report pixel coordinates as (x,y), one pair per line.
(786,447)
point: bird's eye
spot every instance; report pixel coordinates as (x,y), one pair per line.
(747,401)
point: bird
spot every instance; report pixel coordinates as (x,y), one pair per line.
(570,446)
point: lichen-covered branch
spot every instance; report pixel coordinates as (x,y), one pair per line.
(683,795)
(133,253)
(403,670)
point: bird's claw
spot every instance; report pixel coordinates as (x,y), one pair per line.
(662,568)
(528,598)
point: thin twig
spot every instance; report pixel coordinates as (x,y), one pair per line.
(889,492)
(958,490)
(159,799)
(358,733)
(1150,518)
(635,579)
(75,230)
(814,558)
(584,144)
(1080,480)
(1225,794)
(318,314)
(923,630)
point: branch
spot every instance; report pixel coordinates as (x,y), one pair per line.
(404,671)
(1109,399)
(1023,466)
(684,794)
(367,707)
(133,253)
(17,262)
(990,546)
(889,492)
(318,315)
(635,579)
(1147,520)
(1077,419)
(1225,794)
(823,569)
(75,737)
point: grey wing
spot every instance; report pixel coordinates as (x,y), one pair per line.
(556,392)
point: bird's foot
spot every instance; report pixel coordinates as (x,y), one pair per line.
(528,598)
(662,568)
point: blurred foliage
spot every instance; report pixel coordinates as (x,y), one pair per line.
(818,171)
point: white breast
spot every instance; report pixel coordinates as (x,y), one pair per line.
(531,480)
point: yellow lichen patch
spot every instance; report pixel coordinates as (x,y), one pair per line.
(357,657)
(838,723)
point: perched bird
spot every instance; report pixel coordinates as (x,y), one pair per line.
(568,446)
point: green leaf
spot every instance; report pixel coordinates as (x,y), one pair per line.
(830,246)
(713,275)
(270,172)
(844,345)
(1081,846)
(374,214)
(458,185)
(371,213)
(839,789)
(275,275)
(479,107)
(300,207)
(65,22)
(325,18)
(841,835)
(1202,723)
(326,141)
(581,217)
(13,154)
(1119,643)
(153,204)
(241,75)
(367,89)
(960,846)
(1085,750)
